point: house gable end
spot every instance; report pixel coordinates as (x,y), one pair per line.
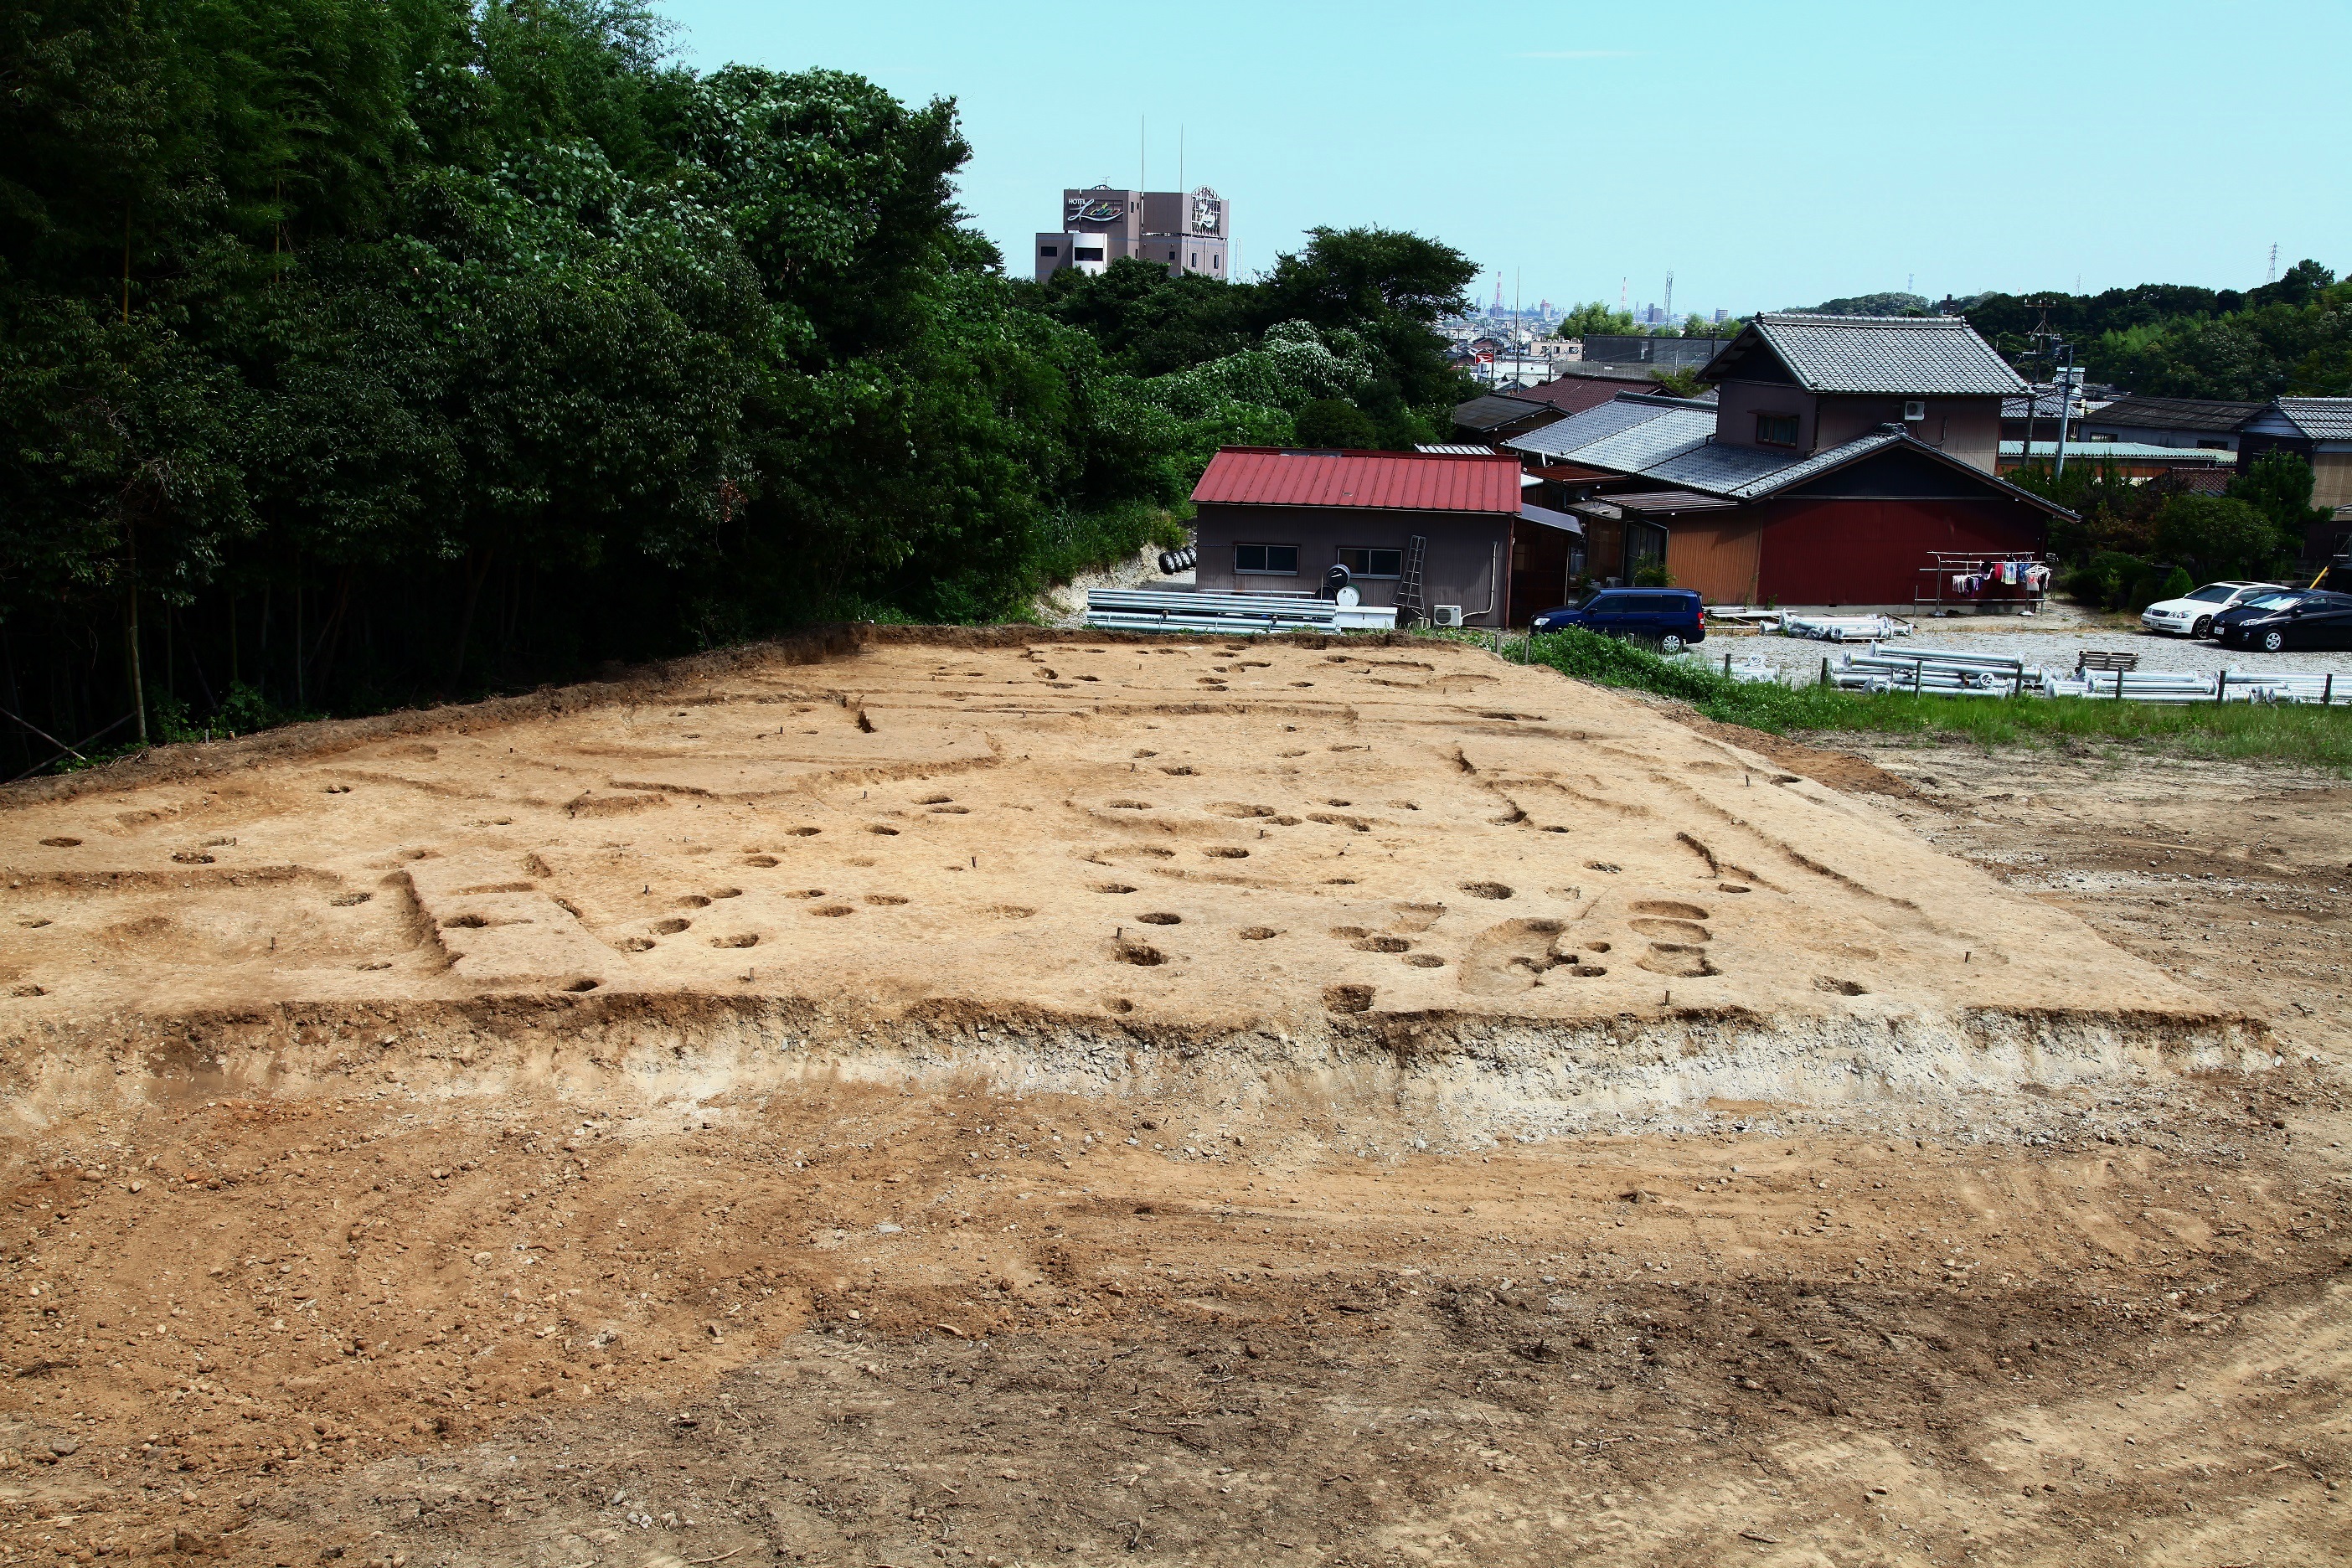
(1904,472)
(1749,357)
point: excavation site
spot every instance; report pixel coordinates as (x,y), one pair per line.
(1017,1097)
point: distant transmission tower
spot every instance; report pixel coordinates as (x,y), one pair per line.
(1498,294)
(1670,293)
(2272,276)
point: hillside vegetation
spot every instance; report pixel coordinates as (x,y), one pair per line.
(360,351)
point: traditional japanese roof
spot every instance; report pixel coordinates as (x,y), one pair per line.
(1624,412)
(1572,392)
(1400,482)
(1900,356)
(1798,471)
(1668,433)
(1496,411)
(2168,413)
(2319,418)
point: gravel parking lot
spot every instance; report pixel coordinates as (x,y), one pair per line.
(2052,639)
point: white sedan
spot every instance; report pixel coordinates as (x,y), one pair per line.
(2192,616)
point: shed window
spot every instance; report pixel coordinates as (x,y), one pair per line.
(1776,430)
(1363,563)
(1266,560)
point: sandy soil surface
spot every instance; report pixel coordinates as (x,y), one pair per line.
(920,1248)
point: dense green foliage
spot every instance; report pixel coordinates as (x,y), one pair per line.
(2293,337)
(355,352)
(2126,538)
(1606,321)
(1893,303)
(2318,736)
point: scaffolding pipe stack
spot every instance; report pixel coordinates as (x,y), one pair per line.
(1174,610)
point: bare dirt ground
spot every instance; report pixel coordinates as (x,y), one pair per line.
(894,1238)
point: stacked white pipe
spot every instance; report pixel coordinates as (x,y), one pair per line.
(1844,628)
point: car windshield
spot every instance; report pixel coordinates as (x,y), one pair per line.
(2217,594)
(1591,599)
(2272,601)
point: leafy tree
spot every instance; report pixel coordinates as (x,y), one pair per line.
(2293,336)
(1678,381)
(1892,303)
(360,352)
(2278,485)
(2112,512)
(2224,536)
(1595,319)
(1335,422)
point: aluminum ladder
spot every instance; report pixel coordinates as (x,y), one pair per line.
(1408,592)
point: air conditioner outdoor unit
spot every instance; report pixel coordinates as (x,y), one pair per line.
(1445,614)
(1915,410)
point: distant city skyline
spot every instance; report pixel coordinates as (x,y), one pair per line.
(1780,155)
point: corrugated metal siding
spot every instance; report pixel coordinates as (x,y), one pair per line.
(1849,551)
(1393,480)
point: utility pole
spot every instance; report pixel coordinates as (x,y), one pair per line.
(2065,403)
(2040,336)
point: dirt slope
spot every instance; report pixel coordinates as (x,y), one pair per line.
(890,1255)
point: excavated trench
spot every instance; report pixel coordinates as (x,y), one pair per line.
(1431,1079)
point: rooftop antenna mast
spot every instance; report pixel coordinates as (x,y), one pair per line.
(1142,178)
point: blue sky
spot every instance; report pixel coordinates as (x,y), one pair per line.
(1771,153)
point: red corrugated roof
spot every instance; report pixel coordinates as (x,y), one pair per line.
(1404,481)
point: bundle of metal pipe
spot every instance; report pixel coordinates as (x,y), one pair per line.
(1161,609)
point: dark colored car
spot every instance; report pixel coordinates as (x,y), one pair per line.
(2303,618)
(1671,618)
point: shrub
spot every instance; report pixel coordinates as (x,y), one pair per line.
(2226,537)
(2105,580)
(2146,588)
(1335,422)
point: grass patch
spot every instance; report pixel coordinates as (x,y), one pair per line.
(2319,737)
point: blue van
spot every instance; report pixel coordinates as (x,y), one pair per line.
(1671,618)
